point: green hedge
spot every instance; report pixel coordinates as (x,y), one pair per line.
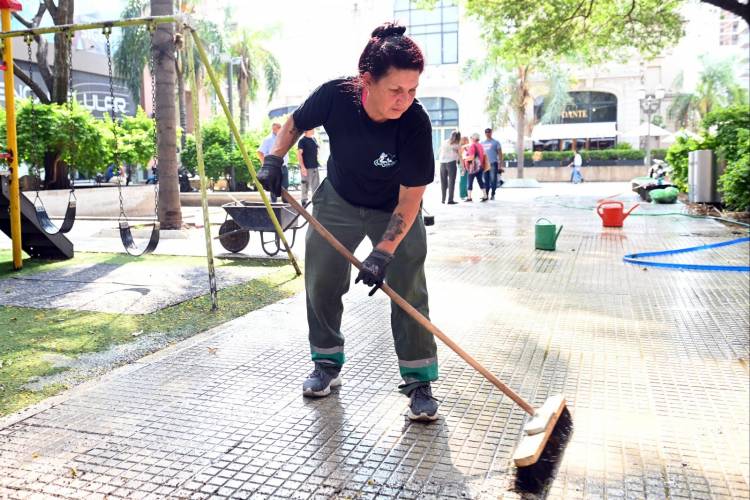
(590,156)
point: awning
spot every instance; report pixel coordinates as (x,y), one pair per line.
(644,130)
(574,131)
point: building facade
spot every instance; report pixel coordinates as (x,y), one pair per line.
(605,99)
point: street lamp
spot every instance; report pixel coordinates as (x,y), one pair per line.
(650,104)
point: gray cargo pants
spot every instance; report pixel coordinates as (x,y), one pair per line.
(328,275)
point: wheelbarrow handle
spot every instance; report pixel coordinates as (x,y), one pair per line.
(408,308)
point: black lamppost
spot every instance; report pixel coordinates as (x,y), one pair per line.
(650,104)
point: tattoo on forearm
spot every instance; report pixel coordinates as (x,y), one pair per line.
(395,227)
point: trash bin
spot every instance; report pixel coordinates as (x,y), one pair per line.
(703,174)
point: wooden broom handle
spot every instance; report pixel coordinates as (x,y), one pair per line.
(408,308)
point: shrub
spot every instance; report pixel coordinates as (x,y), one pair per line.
(731,138)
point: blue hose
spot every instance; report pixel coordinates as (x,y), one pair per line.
(633,258)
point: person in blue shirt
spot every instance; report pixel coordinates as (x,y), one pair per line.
(494,152)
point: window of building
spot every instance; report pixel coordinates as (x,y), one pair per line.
(585,107)
(444,117)
(435,30)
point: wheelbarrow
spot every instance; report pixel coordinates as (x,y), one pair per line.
(245,216)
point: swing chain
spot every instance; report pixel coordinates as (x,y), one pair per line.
(107,31)
(71,126)
(28,39)
(152,69)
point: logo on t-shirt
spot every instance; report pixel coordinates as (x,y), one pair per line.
(385,161)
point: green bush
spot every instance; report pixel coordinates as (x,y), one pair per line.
(218,156)
(79,139)
(726,132)
(659,153)
(590,156)
(731,138)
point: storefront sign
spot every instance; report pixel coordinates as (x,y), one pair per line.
(91,91)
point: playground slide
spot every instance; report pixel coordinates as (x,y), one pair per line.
(34,240)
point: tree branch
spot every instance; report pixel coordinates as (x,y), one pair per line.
(51,7)
(37,20)
(41,94)
(740,9)
(21,20)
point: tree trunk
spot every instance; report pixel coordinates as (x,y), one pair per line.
(55,170)
(243,91)
(182,102)
(170,214)
(520,127)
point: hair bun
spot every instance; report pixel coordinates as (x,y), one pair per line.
(388,29)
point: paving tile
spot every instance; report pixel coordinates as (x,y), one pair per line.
(654,366)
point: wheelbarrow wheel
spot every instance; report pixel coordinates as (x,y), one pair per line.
(237,240)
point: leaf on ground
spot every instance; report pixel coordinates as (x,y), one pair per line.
(135,334)
(14,319)
(73,472)
(35,455)
(212,350)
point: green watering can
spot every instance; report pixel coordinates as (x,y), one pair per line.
(545,234)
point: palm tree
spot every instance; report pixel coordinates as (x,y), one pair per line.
(256,62)
(509,98)
(717,88)
(163,47)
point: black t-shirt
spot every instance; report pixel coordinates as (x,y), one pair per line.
(309,148)
(369,160)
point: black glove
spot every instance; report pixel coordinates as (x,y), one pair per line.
(373,269)
(269,174)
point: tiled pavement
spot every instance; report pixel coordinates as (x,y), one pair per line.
(654,364)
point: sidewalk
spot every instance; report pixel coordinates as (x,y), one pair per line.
(653,363)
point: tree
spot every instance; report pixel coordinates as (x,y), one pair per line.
(56,82)
(132,54)
(163,47)
(717,88)
(256,62)
(524,35)
(736,7)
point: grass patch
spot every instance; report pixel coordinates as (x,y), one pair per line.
(30,336)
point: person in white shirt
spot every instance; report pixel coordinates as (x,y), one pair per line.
(575,175)
(448,165)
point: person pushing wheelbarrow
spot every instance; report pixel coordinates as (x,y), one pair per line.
(380,164)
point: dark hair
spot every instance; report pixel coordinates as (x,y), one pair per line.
(487,130)
(455,137)
(389,47)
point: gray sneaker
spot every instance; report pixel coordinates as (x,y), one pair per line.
(320,381)
(422,407)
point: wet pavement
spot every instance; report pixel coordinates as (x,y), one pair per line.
(653,363)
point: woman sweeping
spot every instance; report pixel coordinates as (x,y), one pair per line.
(380,164)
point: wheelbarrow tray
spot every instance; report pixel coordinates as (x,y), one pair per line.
(253,216)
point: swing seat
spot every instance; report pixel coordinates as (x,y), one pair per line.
(46,223)
(130,245)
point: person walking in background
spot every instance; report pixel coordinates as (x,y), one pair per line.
(575,175)
(307,153)
(463,181)
(474,163)
(449,155)
(494,152)
(265,148)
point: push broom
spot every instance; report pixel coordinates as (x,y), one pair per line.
(537,430)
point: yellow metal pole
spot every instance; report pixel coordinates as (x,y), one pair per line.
(241,145)
(192,75)
(10,119)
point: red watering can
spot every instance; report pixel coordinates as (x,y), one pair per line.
(613,213)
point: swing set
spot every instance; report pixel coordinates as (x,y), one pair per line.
(182,24)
